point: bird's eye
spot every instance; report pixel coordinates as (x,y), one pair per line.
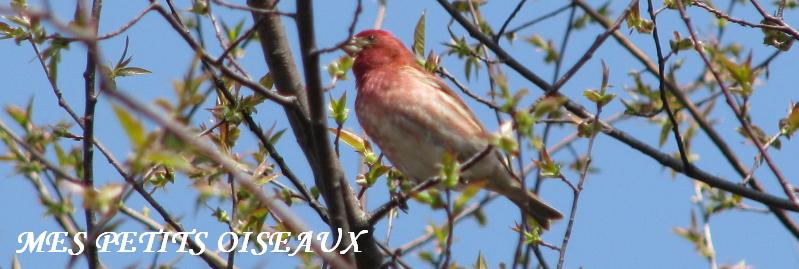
(371,37)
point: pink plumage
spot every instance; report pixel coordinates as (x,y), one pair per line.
(414,118)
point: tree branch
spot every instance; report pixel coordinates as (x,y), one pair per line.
(345,212)
(578,110)
(675,125)
(88,129)
(288,219)
(787,188)
(590,52)
(714,136)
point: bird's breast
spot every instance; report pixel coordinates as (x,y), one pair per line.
(413,123)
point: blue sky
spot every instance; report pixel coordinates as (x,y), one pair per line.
(626,213)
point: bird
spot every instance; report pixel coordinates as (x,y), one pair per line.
(415,120)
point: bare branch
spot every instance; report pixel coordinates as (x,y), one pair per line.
(88,128)
(787,188)
(508,19)
(590,52)
(675,125)
(704,124)
(578,110)
(182,132)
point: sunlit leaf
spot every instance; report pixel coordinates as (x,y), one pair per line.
(351,139)
(418,37)
(133,127)
(130,71)
(790,124)
(481,262)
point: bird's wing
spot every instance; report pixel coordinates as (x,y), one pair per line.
(448,95)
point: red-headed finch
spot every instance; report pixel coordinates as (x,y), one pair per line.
(416,119)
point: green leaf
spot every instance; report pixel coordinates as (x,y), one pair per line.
(507,144)
(548,104)
(534,235)
(15,263)
(635,21)
(315,192)
(776,38)
(790,124)
(169,159)
(678,43)
(548,167)
(221,215)
(465,196)
(52,65)
(18,115)
(427,257)
(524,122)
(334,71)
(133,127)
(481,262)
(601,99)
(159,179)
(5,29)
(267,81)
(103,198)
(672,4)
(351,139)
(345,63)
(130,71)
(375,172)
(587,128)
(547,46)
(450,171)
(19,4)
(664,132)
(431,64)
(338,109)
(418,37)
(463,5)
(759,134)
(605,77)
(199,7)
(276,137)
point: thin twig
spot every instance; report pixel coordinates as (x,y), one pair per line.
(88,129)
(577,191)
(427,237)
(384,209)
(539,19)
(675,125)
(39,157)
(722,15)
(786,187)
(238,41)
(450,229)
(592,49)
(507,20)
(350,30)
(698,116)
(342,203)
(381,14)
(252,9)
(444,73)
(288,219)
(118,31)
(255,86)
(65,220)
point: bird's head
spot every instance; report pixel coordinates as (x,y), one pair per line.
(376,48)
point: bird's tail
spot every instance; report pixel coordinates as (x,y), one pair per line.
(536,208)
(500,180)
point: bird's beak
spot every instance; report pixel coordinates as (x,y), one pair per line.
(355,46)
